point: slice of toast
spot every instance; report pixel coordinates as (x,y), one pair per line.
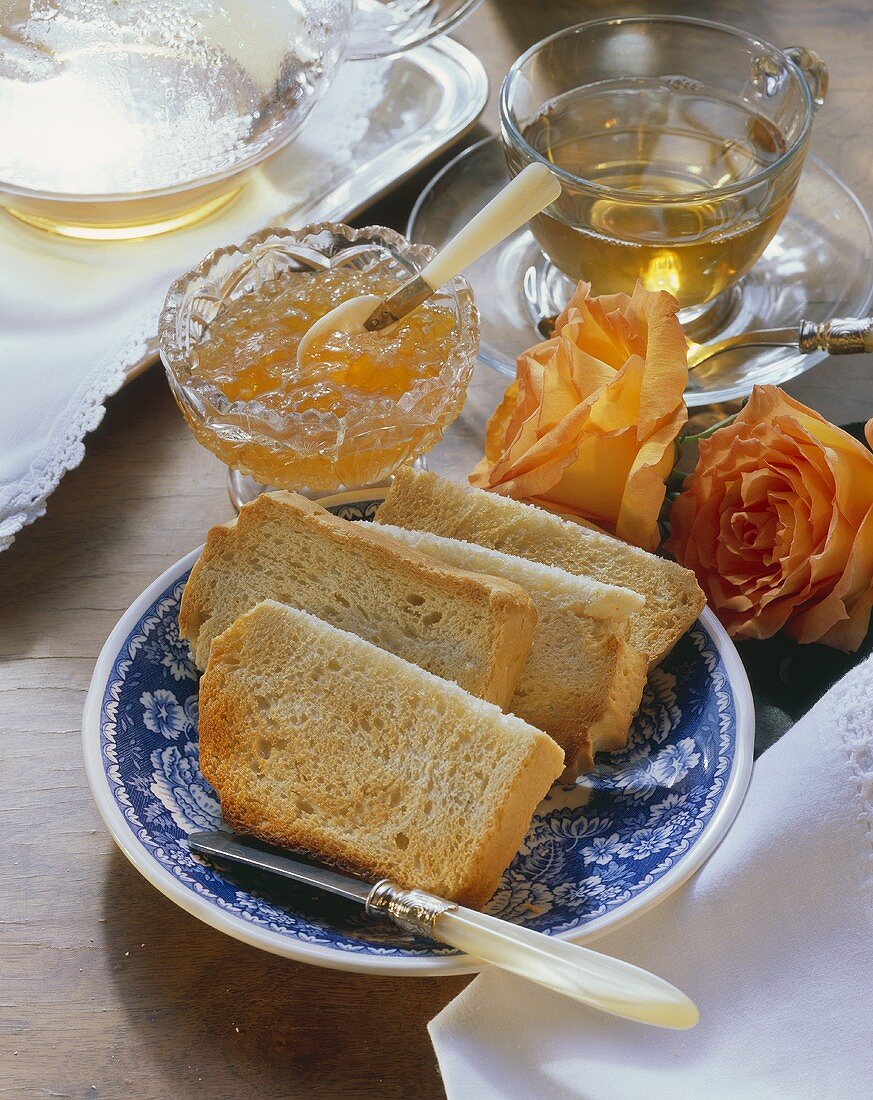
(583,680)
(673,598)
(317,740)
(472,629)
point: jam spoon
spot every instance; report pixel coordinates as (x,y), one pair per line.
(530,192)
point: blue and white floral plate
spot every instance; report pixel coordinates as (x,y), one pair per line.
(596,856)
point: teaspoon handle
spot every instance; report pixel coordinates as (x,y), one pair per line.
(838,336)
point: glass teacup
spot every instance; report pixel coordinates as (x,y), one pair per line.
(679,144)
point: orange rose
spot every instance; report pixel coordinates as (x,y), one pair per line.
(777,523)
(588,426)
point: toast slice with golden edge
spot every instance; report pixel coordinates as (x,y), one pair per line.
(583,680)
(472,629)
(317,740)
(673,598)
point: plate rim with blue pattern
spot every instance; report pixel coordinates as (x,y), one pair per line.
(257,921)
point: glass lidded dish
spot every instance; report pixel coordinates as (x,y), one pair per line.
(359,406)
(134,117)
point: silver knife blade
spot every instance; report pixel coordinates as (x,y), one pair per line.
(262,857)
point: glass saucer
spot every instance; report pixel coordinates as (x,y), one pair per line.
(816,267)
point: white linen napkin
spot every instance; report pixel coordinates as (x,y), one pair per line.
(771,939)
(77,316)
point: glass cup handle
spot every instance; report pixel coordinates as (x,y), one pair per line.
(814,71)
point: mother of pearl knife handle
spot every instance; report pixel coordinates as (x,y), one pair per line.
(595,979)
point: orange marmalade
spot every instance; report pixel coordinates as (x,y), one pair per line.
(351,412)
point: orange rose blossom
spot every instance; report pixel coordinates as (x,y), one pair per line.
(777,523)
(588,427)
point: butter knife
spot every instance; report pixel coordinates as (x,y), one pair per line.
(595,979)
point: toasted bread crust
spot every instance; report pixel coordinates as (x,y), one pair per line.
(299,738)
(481,629)
(673,598)
(583,680)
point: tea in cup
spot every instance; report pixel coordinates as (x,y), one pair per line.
(679,144)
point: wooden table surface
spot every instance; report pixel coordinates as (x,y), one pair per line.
(106,988)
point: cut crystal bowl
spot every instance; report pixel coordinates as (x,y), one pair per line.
(315,450)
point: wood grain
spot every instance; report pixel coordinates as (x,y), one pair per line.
(106,988)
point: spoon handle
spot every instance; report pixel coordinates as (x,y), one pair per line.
(839,336)
(529,193)
(532,189)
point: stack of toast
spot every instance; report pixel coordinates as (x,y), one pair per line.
(397,697)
